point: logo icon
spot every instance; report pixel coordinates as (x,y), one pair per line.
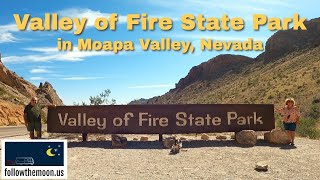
(34,153)
(29,159)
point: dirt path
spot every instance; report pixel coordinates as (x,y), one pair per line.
(200,160)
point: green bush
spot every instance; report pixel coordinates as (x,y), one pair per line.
(307,128)
(43,118)
(278,122)
(315,112)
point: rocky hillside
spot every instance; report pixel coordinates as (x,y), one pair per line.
(290,66)
(15,92)
(283,43)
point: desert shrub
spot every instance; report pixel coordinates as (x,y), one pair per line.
(43,118)
(279,124)
(314,112)
(307,128)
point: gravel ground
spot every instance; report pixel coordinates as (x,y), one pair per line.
(213,159)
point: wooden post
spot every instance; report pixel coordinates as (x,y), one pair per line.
(84,137)
(160,137)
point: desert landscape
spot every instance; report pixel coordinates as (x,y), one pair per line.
(289,67)
(220,159)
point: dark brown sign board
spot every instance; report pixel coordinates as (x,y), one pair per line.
(161,119)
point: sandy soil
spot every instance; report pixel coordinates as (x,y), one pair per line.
(213,159)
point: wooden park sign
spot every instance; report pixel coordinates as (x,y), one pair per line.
(161,119)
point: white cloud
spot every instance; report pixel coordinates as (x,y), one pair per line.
(7,37)
(6,33)
(151,86)
(42,49)
(46,54)
(89,14)
(8,27)
(39,70)
(36,78)
(78,78)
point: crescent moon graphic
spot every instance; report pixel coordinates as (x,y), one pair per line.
(49,153)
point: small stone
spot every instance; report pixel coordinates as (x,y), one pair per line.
(183,138)
(246,137)
(101,138)
(205,136)
(168,142)
(261,166)
(118,141)
(144,138)
(221,137)
(135,139)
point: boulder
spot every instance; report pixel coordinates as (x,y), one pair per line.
(205,136)
(221,137)
(246,137)
(118,141)
(144,138)
(168,142)
(261,166)
(277,136)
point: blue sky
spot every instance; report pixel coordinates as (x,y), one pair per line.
(131,75)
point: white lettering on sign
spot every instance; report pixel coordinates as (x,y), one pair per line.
(145,117)
(244,120)
(183,119)
(82,120)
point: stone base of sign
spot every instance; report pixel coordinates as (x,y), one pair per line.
(246,137)
(277,136)
(118,141)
